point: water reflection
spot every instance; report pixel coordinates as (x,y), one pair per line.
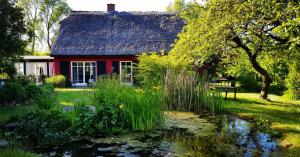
(231,137)
(245,135)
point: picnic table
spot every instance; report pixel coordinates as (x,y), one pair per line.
(225,85)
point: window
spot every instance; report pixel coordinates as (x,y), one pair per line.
(126,72)
(83,73)
(20,68)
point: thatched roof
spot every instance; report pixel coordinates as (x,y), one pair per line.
(116,33)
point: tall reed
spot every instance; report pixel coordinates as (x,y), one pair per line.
(142,108)
(187,91)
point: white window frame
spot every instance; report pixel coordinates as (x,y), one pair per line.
(131,72)
(20,68)
(82,84)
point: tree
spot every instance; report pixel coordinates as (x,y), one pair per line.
(53,11)
(32,12)
(12,28)
(229,28)
(176,6)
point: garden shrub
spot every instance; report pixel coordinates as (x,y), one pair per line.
(32,91)
(23,80)
(19,90)
(152,68)
(107,120)
(46,99)
(44,128)
(57,81)
(84,120)
(248,82)
(293,82)
(13,92)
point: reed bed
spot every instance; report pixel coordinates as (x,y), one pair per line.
(187,91)
(142,108)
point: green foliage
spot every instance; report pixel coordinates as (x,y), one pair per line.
(57,81)
(33,19)
(52,12)
(21,89)
(110,118)
(42,18)
(12,92)
(152,68)
(293,82)
(176,6)
(84,122)
(8,152)
(245,75)
(43,128)
(247,29)
(46,99)
(185,91)
(32,91)
(137,109)
(12,28)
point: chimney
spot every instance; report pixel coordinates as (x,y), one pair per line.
(111,7)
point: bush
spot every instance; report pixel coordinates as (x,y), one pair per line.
(107,120)
(84,122)
(43,128)
(46,99)
(248,82)
(293,82)
(152,68)
(19,90)
(12,92)
(32,91)
(186,91)
(23,80)
(124,106)
(57,81)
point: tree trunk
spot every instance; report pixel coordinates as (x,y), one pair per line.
(33,45)
(265,76)
(48,38)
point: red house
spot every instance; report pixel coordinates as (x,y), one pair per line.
(90,44)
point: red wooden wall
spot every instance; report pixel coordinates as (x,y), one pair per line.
(107,59)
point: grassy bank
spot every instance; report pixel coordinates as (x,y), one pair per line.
(69,96)
(16,153)
(283,114)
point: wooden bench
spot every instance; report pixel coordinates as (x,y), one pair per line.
(226,85)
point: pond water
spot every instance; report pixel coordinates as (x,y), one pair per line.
(184,134)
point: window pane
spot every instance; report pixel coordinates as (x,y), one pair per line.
(74,64)
(75,79)
(80,75)
(80,64)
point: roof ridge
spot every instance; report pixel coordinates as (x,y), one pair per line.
(121,13)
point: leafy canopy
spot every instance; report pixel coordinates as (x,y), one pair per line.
(229,28)
(12,28)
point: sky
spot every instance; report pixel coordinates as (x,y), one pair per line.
(121,5)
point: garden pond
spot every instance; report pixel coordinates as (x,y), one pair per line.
(184,134)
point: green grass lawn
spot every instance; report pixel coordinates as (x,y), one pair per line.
(283,114)
(70,96)
(16,153)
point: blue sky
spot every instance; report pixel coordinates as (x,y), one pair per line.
(121,5)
